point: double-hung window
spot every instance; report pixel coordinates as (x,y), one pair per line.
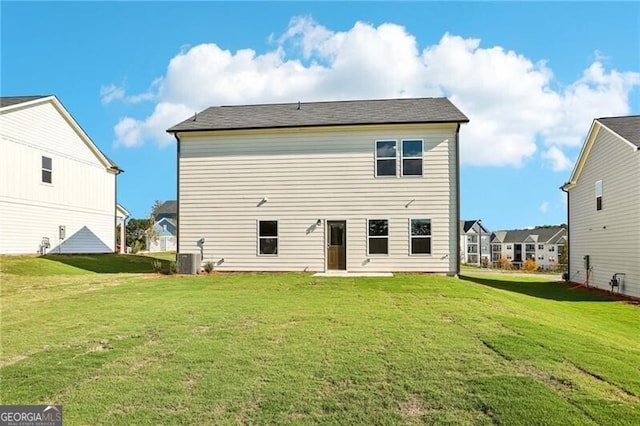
(599,195)
(386,154)
(412,158)
(267,237)
(47,169)
(420,234)
(378,236)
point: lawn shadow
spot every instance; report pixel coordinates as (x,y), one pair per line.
(558,290)
(108,263)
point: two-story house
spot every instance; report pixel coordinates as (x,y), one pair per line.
(544,245)
(604,207)
(57,189)
(359,186)
(474,243)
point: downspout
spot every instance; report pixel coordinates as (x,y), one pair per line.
(177,194)
(568,248)
(457,224)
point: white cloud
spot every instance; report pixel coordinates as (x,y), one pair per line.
(111,93)
(508,97)
(129,132)
(544,207)
(558,160)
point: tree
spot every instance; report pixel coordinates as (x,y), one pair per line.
(152,234)
(137,231)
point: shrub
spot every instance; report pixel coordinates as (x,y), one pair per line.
(137,246)
(157,265)
(485,262)
(529,265)
(208,267)
(503,263)
(173,267)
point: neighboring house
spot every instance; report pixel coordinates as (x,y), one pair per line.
(604,207)
(544,244)
(57,189)
(353,186)
(472,231)
(168,209)
(165,236)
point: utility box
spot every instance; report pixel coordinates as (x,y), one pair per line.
(188,263)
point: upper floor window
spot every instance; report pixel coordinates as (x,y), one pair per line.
(47,169)
(420,236)
(540,246)
(267,237)
(412,158)
(378,236)
(599,195)
(386,153)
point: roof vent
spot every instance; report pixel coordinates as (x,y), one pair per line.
(195,116)
(298,104)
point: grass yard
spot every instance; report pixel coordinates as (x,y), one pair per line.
(140,348)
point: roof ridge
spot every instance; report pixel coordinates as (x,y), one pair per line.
(327,102)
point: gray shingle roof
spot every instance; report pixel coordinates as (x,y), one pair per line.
(338,113)
(627,127)
(14,100)
(168,207)
(541,235)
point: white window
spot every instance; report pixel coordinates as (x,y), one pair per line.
(420,235)
(47,169)
(267,237)
(378,236)
(599,195)
(386,154)
(509,247)
(540,246)
(412,158)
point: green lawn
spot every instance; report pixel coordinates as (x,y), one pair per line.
(138,348)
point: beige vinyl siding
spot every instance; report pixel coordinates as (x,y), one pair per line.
(611,237)
(311,174)
(80,197)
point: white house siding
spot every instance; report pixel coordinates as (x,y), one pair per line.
(611,236)
(311,174)
(81,196)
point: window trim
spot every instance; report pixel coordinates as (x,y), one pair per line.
(375,159)
(377,237)
(259,237)
(430,237)
(598,192)
(421,158)
(44,169)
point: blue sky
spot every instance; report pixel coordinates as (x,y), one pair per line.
(531,76)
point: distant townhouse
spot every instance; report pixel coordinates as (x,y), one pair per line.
(474,242)
(545,245)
